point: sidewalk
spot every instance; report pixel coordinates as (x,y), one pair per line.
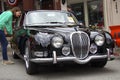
(117,52)
(8,48)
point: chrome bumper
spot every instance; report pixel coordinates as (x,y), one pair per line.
(56,59)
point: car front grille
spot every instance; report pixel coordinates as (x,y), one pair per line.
(80,44)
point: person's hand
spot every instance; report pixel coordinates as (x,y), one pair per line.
(6,34)
(5,31)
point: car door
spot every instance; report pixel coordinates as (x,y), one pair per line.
(17,32)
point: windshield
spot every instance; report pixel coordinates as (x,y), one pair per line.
(36,18)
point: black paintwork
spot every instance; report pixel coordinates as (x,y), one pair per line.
(64,31)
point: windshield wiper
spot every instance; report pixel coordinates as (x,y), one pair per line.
(56,22)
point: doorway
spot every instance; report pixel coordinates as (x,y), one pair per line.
(47,4)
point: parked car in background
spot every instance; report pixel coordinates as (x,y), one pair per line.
(53,36)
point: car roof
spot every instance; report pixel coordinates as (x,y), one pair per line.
(47,11)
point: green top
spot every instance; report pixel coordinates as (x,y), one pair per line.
(6,21)
(21,32)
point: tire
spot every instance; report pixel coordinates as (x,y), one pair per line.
(15,56)
(31,68)
(99,64)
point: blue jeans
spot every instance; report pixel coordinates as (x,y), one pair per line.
(4,44)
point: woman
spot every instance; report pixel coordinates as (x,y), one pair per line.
(6,19)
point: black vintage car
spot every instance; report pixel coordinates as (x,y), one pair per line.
(53,36)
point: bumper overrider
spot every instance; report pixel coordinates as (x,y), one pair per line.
(56,59)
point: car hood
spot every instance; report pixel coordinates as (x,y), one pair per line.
(65,32)
(44,35)
(59,30)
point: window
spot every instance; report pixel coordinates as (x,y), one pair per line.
(95,13)
(49,18)
(79,11)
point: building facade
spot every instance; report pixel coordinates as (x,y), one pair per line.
(101,13)
(27,5)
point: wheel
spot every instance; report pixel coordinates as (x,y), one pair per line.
(31,68)
(15,56)
(99,64)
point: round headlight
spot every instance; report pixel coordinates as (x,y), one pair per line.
(57,41)
(99,40)
(66,50)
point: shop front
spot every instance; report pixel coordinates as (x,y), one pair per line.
(3,5)
(89,12)
(27,5)
(0,7)
(100,13)
(105,14)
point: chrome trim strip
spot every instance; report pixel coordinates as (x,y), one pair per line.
(110,57)
(43,60)
(54,57)
(61,59)
(90,58)
(108,53)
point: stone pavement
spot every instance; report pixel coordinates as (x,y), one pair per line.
(117,52)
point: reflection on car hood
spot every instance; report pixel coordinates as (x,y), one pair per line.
(54,30)
(66,30)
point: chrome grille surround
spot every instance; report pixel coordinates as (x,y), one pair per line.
(80,42)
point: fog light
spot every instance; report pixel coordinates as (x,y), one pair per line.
(38,54)
(93,48)
(66,51)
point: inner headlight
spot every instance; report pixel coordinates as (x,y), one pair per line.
(57,41)
(93,48)
(99,40)
(66,50)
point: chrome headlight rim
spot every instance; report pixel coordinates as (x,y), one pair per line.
(93,48)
(66,50)
(57,41)
(99,40)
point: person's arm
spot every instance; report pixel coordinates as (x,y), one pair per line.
(6,21)
(8,26)
(4,18)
